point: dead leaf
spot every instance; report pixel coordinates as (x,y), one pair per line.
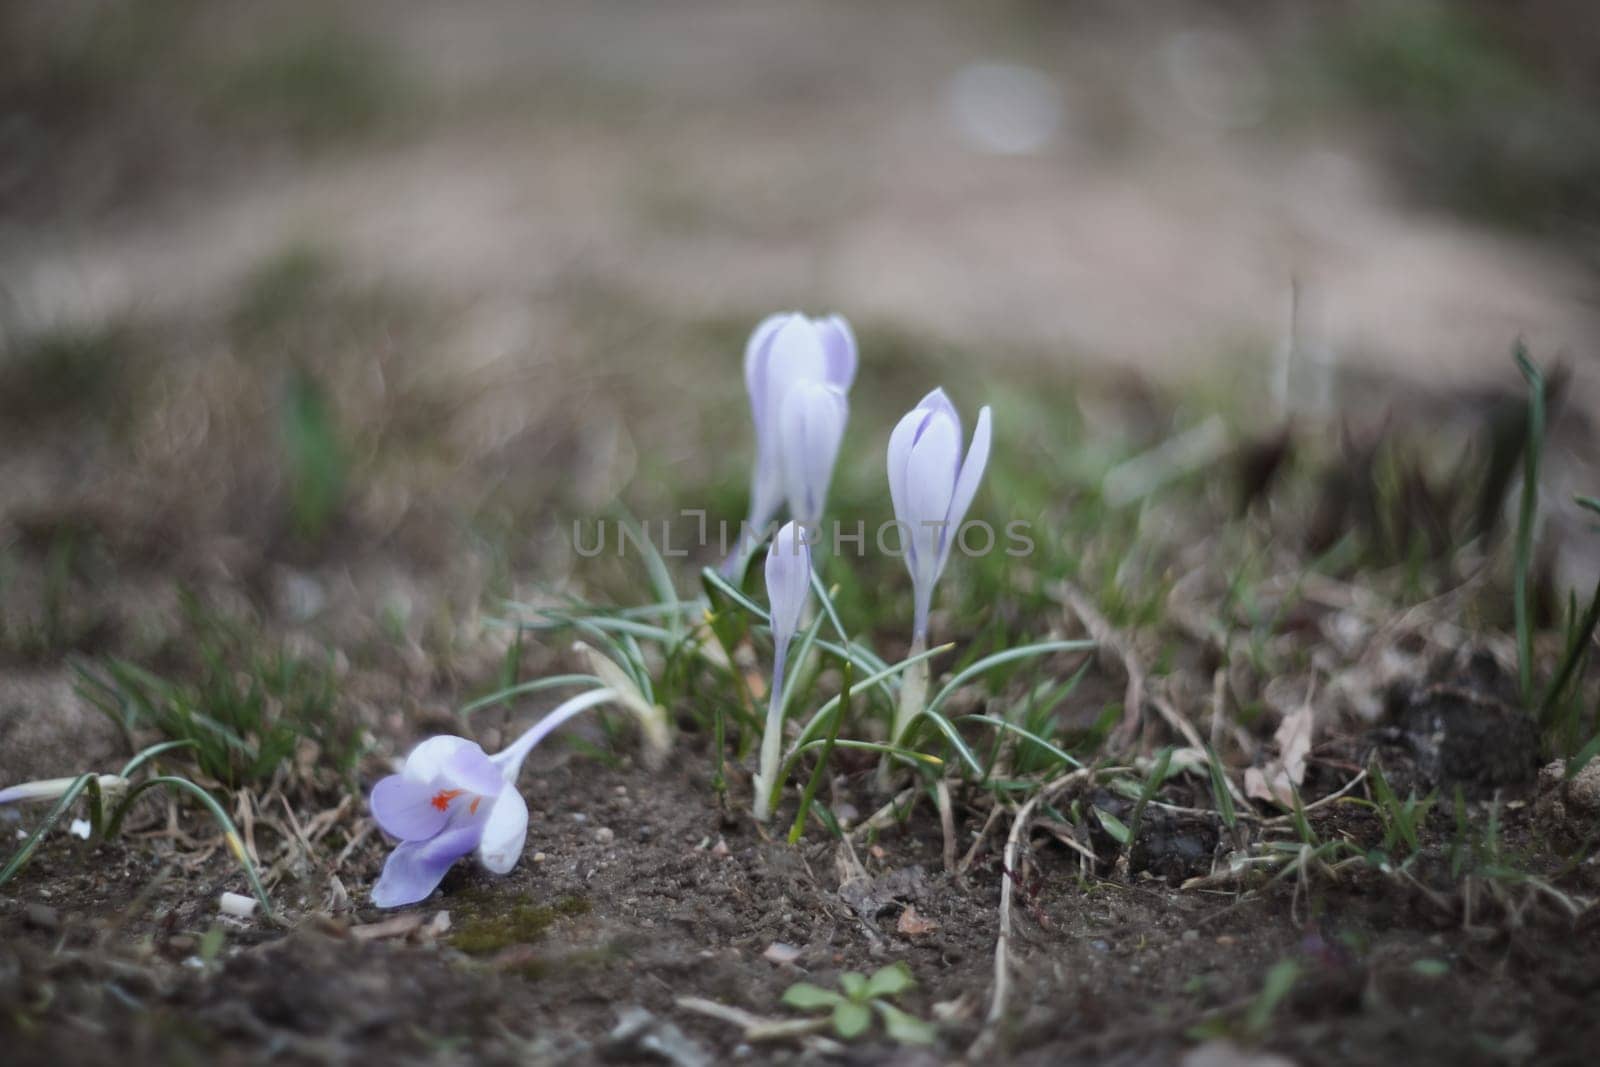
(1278,780)
(912,924)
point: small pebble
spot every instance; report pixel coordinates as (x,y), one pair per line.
(579,816)
(237,905)
(605,835)
(1191,935)
(780,953)
(539,857)
(41,917)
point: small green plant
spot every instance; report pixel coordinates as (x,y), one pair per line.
(1402,819)
(860,996)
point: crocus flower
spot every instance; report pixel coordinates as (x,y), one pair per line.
(797,371)
(932,487)
(788,576)
(451,798)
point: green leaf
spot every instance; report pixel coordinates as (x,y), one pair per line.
(891,981)
(1028,735)
(1279,981)
(851,1019)
(1113,826)
(808,997)
(905,1029)
(854,984)
(1431,968)
(988,663)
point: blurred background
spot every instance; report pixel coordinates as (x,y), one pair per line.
(346,307)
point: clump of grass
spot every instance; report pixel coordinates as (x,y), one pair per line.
(243,714)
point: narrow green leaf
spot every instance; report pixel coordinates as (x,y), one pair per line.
(1113,826)
(1525,521)
(1010,655)
(1029,735)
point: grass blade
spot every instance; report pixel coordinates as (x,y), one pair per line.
(1010,655)
(1525,520)
(818,772)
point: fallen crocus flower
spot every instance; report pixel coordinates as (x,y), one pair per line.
(451,798)
(798,371)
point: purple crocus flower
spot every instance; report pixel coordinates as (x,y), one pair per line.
(932,487)
(798,371)
(788,574)
(451,798)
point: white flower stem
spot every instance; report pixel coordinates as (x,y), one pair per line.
(771,738)
(510,759)
(913,699)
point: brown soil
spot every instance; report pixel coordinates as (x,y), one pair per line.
(637,890)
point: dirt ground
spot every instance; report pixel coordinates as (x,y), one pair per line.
(640,892)
(504,256)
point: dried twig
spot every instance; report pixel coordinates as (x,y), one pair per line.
(985,1042)
(887,815)
(761,1028)
(977,842)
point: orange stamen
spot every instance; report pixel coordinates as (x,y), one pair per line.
(473,807)
(443,797)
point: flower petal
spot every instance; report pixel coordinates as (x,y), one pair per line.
(414,869)
(811,428)
(839,346)
(796,356)
(471,770)
(968,480)
(788,574)
(939,401)
(904,436)
(428,759)
(757,357)
(930,481)
(505,832)
(404,808)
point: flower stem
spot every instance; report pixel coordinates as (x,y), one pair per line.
(510,759)
(771,738)
(913,698)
